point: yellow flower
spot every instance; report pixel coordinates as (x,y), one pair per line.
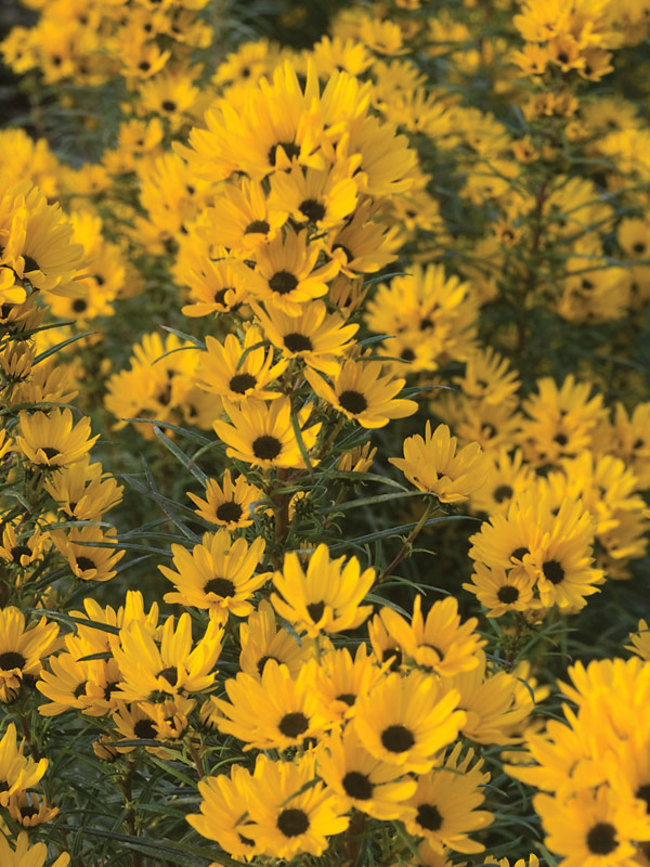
(432,464)
(51,439)
(315,336)
(22,650)
(360,392)
(239,371)
(405,720)
(324,599)
(82,491)
(24,855)
(287,275)
(170,668)
(445,803)
(224,812)
(264,436)
(261,641)
(377,788)
(439,642)
(89,561)
(17,771)
(229,505)
(290,815)
(217,575)
(273,711)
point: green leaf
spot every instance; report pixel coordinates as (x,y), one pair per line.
(54,349)
(180,456)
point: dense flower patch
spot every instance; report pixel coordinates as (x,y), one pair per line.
(325,439)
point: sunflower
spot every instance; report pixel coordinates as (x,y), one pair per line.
(165,720)
(405,720)
(439,642)
(24,855)
(228,505)
(264,435)
(292,813)
(500,591)
(339,679)
(18,772)
(217,575)
(22,649)
(175,666)
(287,273)
(640,641)
(224,811)
(491,702)
(323,198)
(433,465)
(562,564)
(244,220)
(324,599)
(239,371)
(50,440)
(30,809)
(360,780)
(261,641)
(590,829)
(91,552)
(215,286)
(273,711)
(445,803)
(82,491)
(24,549)
(43,252)
(360,392)
(315,336)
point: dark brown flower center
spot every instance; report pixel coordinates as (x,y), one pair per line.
(293,823)
(643,792)
(168,105)
(11,659)
(145,729)
(347,697)
(315,610)
(263,660)
(313,210)
(229,511)
(85,563)
(283,282)
(293,724)
(601,839)
(290,149)
(394,654)
(257,227)
(553,571)
(507,594)
(220,586)
(79,305)
(503,492)
(519,553)
(267,447)
(357,785)
(397,739)
(353,401)
(170,674)
(242,382)
(50,452)
(19,551)
(428,817)
(296,342)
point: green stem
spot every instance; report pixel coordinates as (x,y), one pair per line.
(407,545)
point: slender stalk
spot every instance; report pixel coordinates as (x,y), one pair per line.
(407,545)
